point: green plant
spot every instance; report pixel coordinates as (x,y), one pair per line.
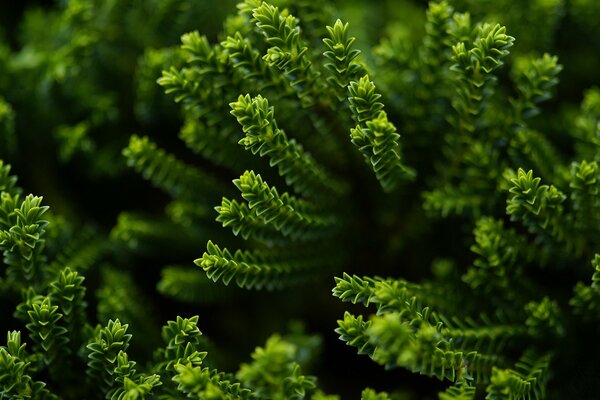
(433,178)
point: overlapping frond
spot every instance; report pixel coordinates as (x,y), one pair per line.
(405,332)
(16,381)
(375,136)
(275,372)
(21,235)
(474,66)
(288,52)
(103,353)
(539,207)
(526,381)
(256,270)
(534,78)
(342,67)
(264,137)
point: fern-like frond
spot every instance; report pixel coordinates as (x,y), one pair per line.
(353,331)
(201,54)
(201,382)
(387,294)
(15,369)
(103,351)
(539,207)
(287,52)
(375,136)
(263,137)
(379,144)
(182,339)
(407,333)
(409,301)
(131,385)
(21,237)
(474,67)
(256,270)
(436,51)
(342,67)
(460,391)
(392,342)
(68,293)
(242,221)
(275,372)
(526,381)
(45,329)
(364,101)
(180,84)
(534,78)
(498,249)
(283,211)
(247,61)
(354,289)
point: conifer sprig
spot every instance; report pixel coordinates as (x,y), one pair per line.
(264,137)
(535,79)
(50,335)
(526,381)
(498,249)
(68,293)
(474,67)
(407,333)
(198,382)
(276,373)
(283,210)
(459,391)
(21,237)
(15,369)
(256,270)
(103,353)
(539,207)
(342,66)
(288,52)
(243,221)
(375,136)
(247,61)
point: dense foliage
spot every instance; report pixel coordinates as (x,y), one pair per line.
(437,166)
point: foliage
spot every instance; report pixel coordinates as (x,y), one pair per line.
(467,237)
